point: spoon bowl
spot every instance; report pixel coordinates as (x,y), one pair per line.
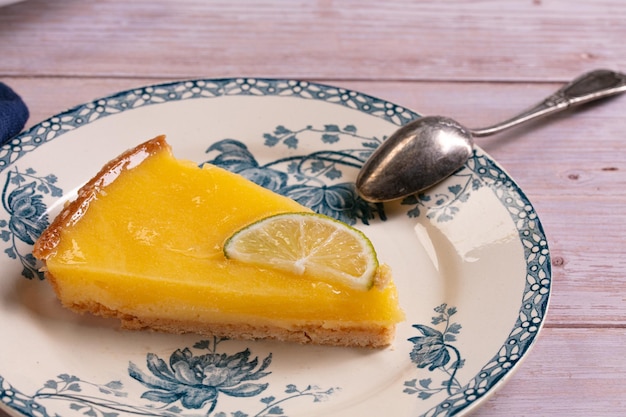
(438,144)
(428,150)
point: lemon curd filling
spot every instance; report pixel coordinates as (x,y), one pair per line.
(148,240)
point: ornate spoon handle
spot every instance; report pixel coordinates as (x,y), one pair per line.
(588,87)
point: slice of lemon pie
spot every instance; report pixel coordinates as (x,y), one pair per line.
(163,244)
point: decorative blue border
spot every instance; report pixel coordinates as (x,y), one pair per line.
(478,169)
(536,294)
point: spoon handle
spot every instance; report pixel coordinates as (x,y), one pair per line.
(588,87)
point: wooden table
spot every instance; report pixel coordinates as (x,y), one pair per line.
(476,61)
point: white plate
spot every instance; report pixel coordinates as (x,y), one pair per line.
(469,257)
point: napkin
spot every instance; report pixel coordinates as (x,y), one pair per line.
(13,113)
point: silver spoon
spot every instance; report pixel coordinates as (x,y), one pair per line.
(429,149)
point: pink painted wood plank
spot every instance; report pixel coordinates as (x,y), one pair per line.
(569,372)
(351,39)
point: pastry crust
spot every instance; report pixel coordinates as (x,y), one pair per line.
(73,211)
(309,333)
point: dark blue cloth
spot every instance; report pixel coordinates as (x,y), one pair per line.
(13,113)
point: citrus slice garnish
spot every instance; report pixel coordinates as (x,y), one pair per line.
(307,244)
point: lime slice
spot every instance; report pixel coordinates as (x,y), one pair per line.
(307,244)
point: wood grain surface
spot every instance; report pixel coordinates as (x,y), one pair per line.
(476,61)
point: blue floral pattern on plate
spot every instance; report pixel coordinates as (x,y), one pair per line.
(187,382)
(433,349)
(22,199)
(199,378)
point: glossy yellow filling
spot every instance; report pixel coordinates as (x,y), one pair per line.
(150,245)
